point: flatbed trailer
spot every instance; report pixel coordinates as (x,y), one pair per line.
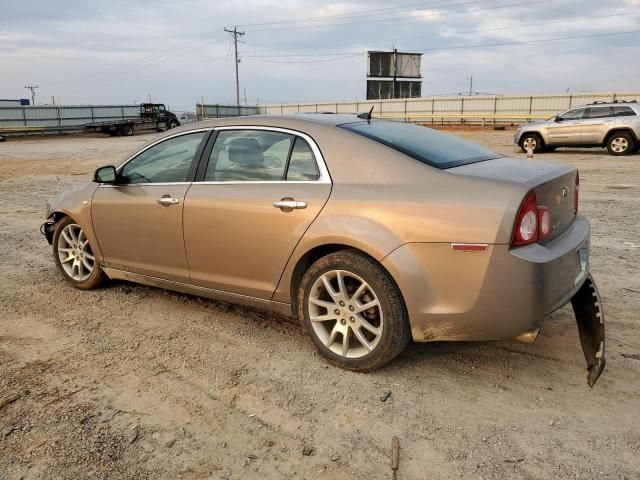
(153,116)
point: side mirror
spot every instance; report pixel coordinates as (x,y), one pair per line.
(105,174)
(558,118)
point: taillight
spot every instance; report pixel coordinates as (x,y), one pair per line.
(533,222)
(576,194)
(544,221)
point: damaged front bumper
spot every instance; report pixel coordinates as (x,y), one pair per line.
(590,318)
(47,229)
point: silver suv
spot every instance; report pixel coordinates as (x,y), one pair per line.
(615,126)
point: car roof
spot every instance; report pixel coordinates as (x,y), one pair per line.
(283,121)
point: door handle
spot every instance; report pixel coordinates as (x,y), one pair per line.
(289,204)
(166,201)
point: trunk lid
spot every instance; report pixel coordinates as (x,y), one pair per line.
(553,184)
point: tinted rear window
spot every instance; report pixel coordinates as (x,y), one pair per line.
(429,146)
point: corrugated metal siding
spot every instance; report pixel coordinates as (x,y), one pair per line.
(472,109)
(60,118)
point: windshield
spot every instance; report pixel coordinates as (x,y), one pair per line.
(429,146)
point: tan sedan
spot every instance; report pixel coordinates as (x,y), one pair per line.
(370,232)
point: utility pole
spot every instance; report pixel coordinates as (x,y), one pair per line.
(471,85)
(235,34)
(33,92)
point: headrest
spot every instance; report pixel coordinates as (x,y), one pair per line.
(246,152)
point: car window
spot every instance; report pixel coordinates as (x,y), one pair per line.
(249,155)
(576,114)
(302,164)
(167,161)
(599,112)
(429,146)
(621,111)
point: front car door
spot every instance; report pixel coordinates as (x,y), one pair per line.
(260,189)
(596,124)
(566,129)
(138,222)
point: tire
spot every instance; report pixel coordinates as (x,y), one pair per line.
(365,283)
(173,125)
(534,137)
(620,144)
(127,131)
(87,279)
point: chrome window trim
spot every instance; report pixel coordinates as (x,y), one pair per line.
(320,163)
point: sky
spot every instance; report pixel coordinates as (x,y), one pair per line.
(177,52)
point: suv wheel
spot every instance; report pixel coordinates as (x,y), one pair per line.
(353,311)
(535,141)
(620,144)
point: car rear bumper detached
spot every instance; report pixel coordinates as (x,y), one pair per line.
(501,292)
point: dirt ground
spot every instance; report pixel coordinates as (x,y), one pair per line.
(136,382)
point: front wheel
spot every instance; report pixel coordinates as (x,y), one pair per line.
(74,256)
(532,139)
(173,124)
(353,311)
(620,144)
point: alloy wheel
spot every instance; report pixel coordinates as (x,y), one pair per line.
(345,313)
(619,144)
(74,253)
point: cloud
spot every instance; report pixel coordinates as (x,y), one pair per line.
(176,50)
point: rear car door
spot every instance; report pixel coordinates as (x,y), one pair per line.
(138,222)
(259,190)
(596,124)
(566,128)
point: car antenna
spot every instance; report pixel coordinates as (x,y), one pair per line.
(366,116)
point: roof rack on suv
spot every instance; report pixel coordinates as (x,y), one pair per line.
(600,102)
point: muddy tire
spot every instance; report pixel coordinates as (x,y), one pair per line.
(75,257)
(353,311)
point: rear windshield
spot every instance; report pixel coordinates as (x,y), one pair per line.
(429,146)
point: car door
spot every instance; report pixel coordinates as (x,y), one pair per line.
(138,221)
(566,129)
(596,124)
(260,189)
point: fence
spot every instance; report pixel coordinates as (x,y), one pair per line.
(220,111)
(476,109)
(58,119)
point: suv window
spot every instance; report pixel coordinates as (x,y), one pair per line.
(622,111)
(249,155)
(599,112)
(302,164)
(576,114)
(167,161)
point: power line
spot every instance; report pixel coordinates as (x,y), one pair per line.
(411,16)
(459,47)
(457,33)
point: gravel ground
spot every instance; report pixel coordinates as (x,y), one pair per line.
(136,382)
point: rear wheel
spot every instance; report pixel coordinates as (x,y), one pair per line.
(353,311)
(620,144)
(74,256)
(532,139)
(127,130)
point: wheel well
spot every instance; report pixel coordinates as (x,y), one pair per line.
(317,253)
(620,130)
(57,216)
